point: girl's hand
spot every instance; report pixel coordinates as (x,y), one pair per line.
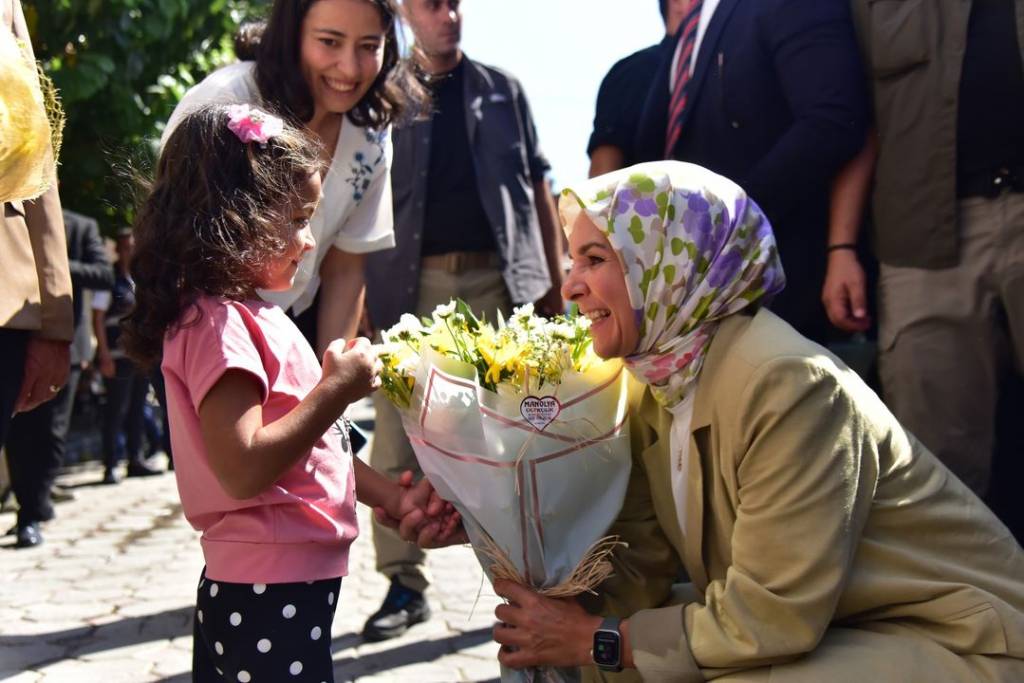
(354,367)
(423,517)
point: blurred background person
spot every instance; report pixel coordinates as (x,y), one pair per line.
(947,204)
(771,94)
(37,438)
(36,317)
(125,385)
(621,96)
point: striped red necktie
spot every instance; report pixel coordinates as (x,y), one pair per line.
(677,105)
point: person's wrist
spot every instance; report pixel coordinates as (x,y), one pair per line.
(843,254)
(590,625)
(336,390)
(393,504)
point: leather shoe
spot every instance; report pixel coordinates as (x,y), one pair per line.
(110,476)
(28,535)
(141,469)
(403,607)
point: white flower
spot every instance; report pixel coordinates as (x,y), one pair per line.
(444,311)
(411,322)
(524,312)
(407,329)
(560,330)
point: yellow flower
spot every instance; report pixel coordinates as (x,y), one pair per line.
(501,352)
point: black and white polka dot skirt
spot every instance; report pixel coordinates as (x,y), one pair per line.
(263,632)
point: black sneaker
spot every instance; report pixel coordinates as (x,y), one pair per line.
(403,607)
(28,535)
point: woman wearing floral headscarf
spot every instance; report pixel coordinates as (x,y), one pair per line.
(822,542)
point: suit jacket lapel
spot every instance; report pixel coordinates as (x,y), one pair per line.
(657,460)
(693,534)
(649,138)
(702,463)
(707,51)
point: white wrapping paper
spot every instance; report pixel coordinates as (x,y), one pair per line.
(543,475)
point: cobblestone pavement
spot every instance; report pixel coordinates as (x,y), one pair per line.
(109,597)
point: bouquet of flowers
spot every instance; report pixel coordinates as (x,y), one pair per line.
(524,429)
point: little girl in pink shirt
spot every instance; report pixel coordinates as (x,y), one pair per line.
(263,469)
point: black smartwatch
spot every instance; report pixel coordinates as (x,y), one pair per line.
(607,651)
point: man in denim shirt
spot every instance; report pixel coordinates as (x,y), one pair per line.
(473,219)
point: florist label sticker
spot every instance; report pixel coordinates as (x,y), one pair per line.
(540,412)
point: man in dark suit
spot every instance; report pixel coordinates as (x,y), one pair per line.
(772,96)
(35,443)
(617,116)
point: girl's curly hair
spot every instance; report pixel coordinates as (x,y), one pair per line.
(217,211)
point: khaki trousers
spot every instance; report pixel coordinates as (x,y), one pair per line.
(485,292)
(948,337)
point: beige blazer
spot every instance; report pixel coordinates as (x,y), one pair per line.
(823,542)
(35,283)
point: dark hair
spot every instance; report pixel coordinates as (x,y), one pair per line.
(247,39)
(662,6)
(395,95)
(217,211)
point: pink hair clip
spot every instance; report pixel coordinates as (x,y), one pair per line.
(253,125)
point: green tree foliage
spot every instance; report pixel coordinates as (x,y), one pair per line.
(120,67)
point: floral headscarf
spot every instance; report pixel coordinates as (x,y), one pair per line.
(694,249)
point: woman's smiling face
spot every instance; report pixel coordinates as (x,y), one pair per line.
(597,285)
(342,52)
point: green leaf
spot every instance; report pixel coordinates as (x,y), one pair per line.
(121,66)
(471,320)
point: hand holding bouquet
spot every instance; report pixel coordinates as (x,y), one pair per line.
(524,429)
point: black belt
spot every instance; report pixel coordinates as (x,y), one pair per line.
(991,184)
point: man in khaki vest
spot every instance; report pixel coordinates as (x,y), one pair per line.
(947,79)
(35,287)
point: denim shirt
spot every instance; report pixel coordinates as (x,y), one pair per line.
(507,160)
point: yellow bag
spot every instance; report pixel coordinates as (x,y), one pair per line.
(31,122)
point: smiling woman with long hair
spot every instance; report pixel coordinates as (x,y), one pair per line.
(331,68)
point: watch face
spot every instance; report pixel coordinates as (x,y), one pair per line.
(606,648)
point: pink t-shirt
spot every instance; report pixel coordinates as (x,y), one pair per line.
(301,527)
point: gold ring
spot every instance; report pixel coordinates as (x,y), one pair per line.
(54,389)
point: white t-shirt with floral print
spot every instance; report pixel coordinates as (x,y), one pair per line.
(355,212)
